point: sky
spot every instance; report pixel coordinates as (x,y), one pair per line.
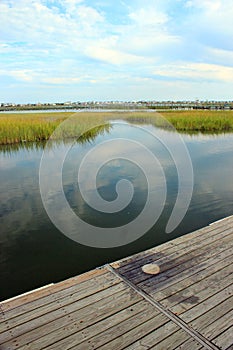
(127,50)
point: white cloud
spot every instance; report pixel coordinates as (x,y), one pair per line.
(31,22)
(86,32)
(67,42)
(149,17)
(72,77)
(220,56)
(88,15)
(71,5)
(212,16)
(61,80)
(40,25)
(193,71)
(207,5)
(148,32)
(26,75)
(112,56)
(149,44)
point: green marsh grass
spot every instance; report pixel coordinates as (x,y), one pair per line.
(187,121)
(23,127)
(201,121)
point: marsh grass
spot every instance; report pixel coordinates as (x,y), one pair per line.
(15,128)
(202,121)
(24,127)
(19,128)
(190,121)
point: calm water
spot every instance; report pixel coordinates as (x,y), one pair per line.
(34,252)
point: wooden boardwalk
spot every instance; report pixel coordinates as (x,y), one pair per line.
(188,305)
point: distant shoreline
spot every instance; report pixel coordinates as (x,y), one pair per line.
(86,110)
(118,105)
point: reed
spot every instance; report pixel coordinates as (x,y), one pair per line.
(18,128)
(203,121)
(22,127)
(187,121)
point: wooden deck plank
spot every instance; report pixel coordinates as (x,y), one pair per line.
(174,269)
(177,274)
(215,226)
(85,330)
(212,323)
(55,337)
(175,250)
(67,295)
(50,319)
(189,305)
(225,340)
(80,319)
(77,299)
(155,337)
(211,284)
(198,289)
(218,327)
(109,339)
(216,315)
(99,327)
(190,344)
(135,333)
(181,257)
(190,276)
(34,295)
(181,242)
(172,341)
(206,304)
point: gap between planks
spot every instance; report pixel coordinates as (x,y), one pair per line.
(183,325)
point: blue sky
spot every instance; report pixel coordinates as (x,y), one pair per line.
(81,50)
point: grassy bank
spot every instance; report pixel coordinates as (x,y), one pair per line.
(203,121)
(22,127)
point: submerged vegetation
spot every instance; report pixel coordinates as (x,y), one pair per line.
(22,127)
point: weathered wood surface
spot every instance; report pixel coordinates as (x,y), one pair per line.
(195,282)
(188,305)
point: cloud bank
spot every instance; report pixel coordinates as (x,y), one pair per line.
(53,50)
